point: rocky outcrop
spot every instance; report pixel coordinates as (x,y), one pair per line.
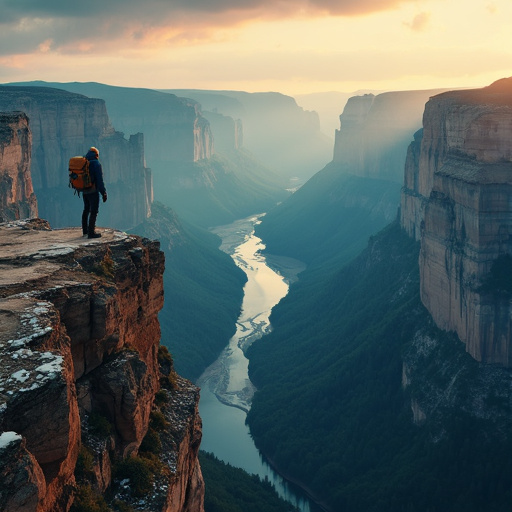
(17,198)
(227,132)
(80,368)
(457,199)
(375,132)
(63,125)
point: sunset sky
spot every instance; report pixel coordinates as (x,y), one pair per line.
(290,46)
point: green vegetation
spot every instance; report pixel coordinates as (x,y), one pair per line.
(84,464)
(328,221)
(99,424)
(203,291)
(88,500)
(331,409)
(230,489)
(140,471)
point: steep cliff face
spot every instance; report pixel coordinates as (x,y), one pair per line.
(457,199)
(17,198)
(64,125)
(80,368)
(227,132)
(375,132)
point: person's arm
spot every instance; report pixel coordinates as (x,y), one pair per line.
(100,186)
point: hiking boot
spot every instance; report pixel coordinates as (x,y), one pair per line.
(94,235)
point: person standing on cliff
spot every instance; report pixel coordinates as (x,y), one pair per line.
(92,195)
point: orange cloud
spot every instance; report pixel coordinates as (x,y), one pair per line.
(69,24)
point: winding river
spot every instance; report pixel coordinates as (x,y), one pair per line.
(226,390)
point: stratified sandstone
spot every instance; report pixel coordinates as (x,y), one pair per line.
(63,125)
(457,199)
(17,198)
(79,336)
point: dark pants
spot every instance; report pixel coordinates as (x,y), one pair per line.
(91,207)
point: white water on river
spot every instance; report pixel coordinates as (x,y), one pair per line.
(226,390)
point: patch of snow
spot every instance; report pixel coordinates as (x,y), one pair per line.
(7,438)
(21,375)
(52,367)
(35,385)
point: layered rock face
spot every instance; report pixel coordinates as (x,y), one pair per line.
(79,340)
(17,198)
(174,128)
(375,132)
(457,198)
(65,125)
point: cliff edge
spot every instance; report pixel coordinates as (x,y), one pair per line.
(457,199)
(86,392)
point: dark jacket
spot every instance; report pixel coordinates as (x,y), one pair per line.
(96,172)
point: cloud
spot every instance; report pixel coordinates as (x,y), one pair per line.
(420,22)
(12,9)
(27,25)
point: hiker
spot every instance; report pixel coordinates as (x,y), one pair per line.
(92,195)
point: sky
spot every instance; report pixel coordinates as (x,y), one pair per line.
(290,46)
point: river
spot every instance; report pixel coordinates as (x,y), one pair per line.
(226,390)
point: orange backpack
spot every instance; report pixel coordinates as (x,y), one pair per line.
(79,175)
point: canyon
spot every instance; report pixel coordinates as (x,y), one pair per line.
(80,333)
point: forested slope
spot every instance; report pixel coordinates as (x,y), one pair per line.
(369,405)
(329,219)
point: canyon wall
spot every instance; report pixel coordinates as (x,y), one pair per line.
(174,129)
(375,132)
(82,375)
(457,199)
(276,130)
(17,198)
(63,125)
(228,133)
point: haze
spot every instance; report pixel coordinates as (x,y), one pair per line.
(294,47)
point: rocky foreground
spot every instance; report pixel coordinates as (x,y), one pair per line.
(79,340)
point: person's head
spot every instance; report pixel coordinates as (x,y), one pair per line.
(94,150)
